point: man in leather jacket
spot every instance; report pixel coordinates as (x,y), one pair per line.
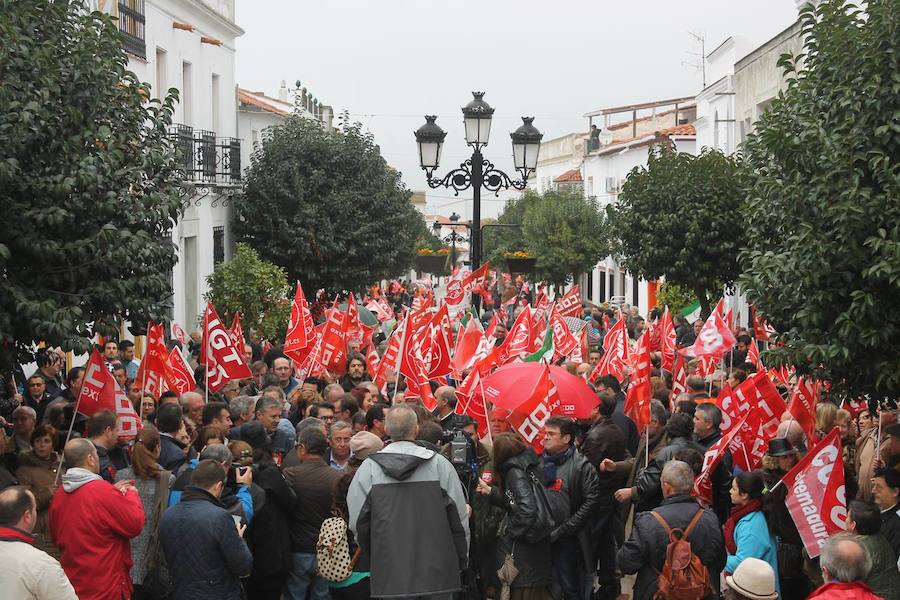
(606,440)
(573,553)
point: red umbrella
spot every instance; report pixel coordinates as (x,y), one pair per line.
(510,385)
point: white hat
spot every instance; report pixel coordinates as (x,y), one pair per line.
(754,579)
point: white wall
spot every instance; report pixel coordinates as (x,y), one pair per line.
(210,18)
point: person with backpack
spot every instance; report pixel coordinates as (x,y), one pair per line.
(746,531)
(677,549)
(526,528)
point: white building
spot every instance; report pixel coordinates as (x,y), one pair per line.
(611,153)
(190,45)
(559,163)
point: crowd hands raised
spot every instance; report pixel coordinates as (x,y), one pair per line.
(239,493)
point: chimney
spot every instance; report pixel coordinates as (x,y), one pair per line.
(282,91)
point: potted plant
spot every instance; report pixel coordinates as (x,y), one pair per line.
(432,261)
(520,261)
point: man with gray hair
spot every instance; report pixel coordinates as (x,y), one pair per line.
(339,445)
(445,396)
(421,556)
(845,564)
(645,552)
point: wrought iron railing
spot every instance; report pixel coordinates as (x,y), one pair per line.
(205,158)
(131,25)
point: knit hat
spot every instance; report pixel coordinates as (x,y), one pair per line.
(364,443)
(754,579)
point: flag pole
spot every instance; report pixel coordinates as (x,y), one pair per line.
(400,355)
(71,427)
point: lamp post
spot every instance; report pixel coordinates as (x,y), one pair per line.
(454,237)
(477,172)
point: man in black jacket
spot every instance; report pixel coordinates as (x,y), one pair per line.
(204,549)
(605,440)
(707,419)
(886,491)
(644,553)
(313,482)
(573,554)
(608,382)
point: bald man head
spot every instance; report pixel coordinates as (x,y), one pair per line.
(81,453)
(446,399)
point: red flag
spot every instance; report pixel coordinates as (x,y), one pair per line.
(570,304)
(334,341)
(729,319)
(564,343)
(756,392)
(715,338)
(372,360)
(300,337)
(182,375)
(178,333)
(470,401)
(803,407)
(679,375)
(518,343)
(154,374)
(378,309)
(753,356)
(615,352)
(703,482)
(816,495)
(748,442)
(354,329)
(100,391)
(467,344)
(667,340)
(237,332)
(438,354)
(529,417)
(475,277)
(637,401)
(218,354)
(761,329)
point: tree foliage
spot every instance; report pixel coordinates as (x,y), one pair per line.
(566,232)
(326,207)
(678,217)
(674,296)
(253,287)
(823,212)
(88,181)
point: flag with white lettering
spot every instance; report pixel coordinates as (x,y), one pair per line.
(615,352)
(715,338)
(223,361)
(637,400)
(300,337)
(100,391)
(667,340)
(529,417)
(570,304)
(816,496)
(182,375)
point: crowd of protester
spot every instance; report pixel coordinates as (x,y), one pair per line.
(227,495)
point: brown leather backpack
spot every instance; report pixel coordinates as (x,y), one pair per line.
(683,576)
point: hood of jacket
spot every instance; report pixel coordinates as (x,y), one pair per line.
(401,459)
(522,461)
(76,477)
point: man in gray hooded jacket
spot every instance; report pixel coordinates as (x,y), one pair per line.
(411,557)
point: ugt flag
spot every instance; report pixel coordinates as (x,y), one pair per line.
(816,496)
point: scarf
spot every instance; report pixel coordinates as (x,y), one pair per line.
(738,513)
(552,461)
(14,534)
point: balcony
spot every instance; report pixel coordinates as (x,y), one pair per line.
(131,26)
(205,159)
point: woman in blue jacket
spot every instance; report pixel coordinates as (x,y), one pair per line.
(746,532)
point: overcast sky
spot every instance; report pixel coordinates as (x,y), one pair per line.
(390,62)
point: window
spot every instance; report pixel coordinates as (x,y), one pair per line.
(602,297)
(634,291)
(190,279)
(186,94)
(590,285)
(131,26)
(612,285)
(215,103)
(254,137)
(160,72)
(218,244)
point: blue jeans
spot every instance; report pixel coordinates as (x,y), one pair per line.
(302,581)
(571,581)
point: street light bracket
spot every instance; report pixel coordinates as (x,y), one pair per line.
(460,179)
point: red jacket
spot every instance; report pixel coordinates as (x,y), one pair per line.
(93,526)
(835,590)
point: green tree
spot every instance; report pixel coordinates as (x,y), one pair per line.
(326,207)
(88,182)
(253,287)
(499,240)
(678,217)
(566,233)
(674,296)
(823,212)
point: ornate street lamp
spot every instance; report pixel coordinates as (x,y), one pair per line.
(454,237)
(477,172)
